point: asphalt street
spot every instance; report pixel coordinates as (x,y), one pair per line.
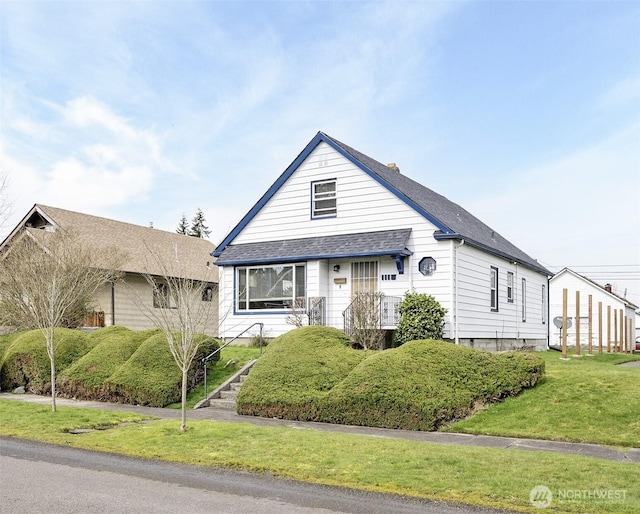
(41,478)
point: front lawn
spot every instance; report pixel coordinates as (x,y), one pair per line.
(585,399)
(477,476)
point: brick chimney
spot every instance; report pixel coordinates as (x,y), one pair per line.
(607,288)
(394,167)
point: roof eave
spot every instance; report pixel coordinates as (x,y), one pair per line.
(313,257)
(493,251)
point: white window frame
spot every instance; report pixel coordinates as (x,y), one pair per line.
(544,304)
(510,289)
(295,283)
(493,288)
(329,206)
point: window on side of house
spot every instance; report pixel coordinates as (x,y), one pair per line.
(524,299)
(493,285)
(161,296)
(544,304)
(510,286)
(324,199)
(274,287)
(207,292)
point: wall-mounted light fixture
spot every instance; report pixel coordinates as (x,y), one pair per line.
(336,268)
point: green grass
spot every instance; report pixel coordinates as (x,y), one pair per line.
(232,359)
(586,399)
(312,374)
(479,476)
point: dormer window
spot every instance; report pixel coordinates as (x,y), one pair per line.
(323,199)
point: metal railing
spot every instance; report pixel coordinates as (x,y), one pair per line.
(387,312)
(317,310)
(206,359)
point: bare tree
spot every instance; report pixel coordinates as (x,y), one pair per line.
(365,320)
(5,203)
(49,280)
(183,309)
(297,315)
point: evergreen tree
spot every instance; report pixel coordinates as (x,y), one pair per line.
(198,228)
(183,226)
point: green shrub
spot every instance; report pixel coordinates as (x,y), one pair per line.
(421,317)
(296,369)
(151,377)
(113,347)
(26,362)
(423,384)
(310,374)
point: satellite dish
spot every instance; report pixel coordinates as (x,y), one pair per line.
(557,321)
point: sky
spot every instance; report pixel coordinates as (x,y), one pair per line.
(527,114)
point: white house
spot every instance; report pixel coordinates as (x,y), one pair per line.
(594,312)
(128,302)
(337,223)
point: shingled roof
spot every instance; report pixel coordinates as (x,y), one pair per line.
(365,244)
(451,220)
(140,244)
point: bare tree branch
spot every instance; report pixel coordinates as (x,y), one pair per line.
(49,280)
(183,309)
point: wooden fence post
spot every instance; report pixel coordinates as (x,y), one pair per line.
(564,322)
(590,343)
(599,327)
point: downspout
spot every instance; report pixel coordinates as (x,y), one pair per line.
(113,304)
(455,291)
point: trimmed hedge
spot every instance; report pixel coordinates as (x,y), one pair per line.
(310,374)
(26,362)
(113,347)
(151,377)
(297,369)
(424,384)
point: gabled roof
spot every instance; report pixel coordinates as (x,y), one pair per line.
(137,242)
(567,271)
(365,244)
(451,220)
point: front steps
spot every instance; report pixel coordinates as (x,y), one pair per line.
(225,396)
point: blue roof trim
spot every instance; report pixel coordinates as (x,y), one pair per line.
(321,137)
(304,258)
(493,251)
(385,184)
(270,192)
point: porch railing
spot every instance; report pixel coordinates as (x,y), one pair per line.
(385,311)
(317,310)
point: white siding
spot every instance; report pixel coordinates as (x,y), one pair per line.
(363,205)
(475,316)
(611,331)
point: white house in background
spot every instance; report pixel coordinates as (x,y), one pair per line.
(613,318)
(337,223)
(148,251)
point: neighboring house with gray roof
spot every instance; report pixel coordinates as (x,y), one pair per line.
(337,223)
(148,251)
(595,314)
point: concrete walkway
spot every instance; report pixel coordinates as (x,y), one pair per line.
(512,443)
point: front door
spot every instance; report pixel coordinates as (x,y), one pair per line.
(364,277)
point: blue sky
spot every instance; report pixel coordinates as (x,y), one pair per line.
(525,113)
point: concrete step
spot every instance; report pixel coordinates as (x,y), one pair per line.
(235,386)
(221,403)
(229,395)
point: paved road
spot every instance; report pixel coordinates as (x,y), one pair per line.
(39,478)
